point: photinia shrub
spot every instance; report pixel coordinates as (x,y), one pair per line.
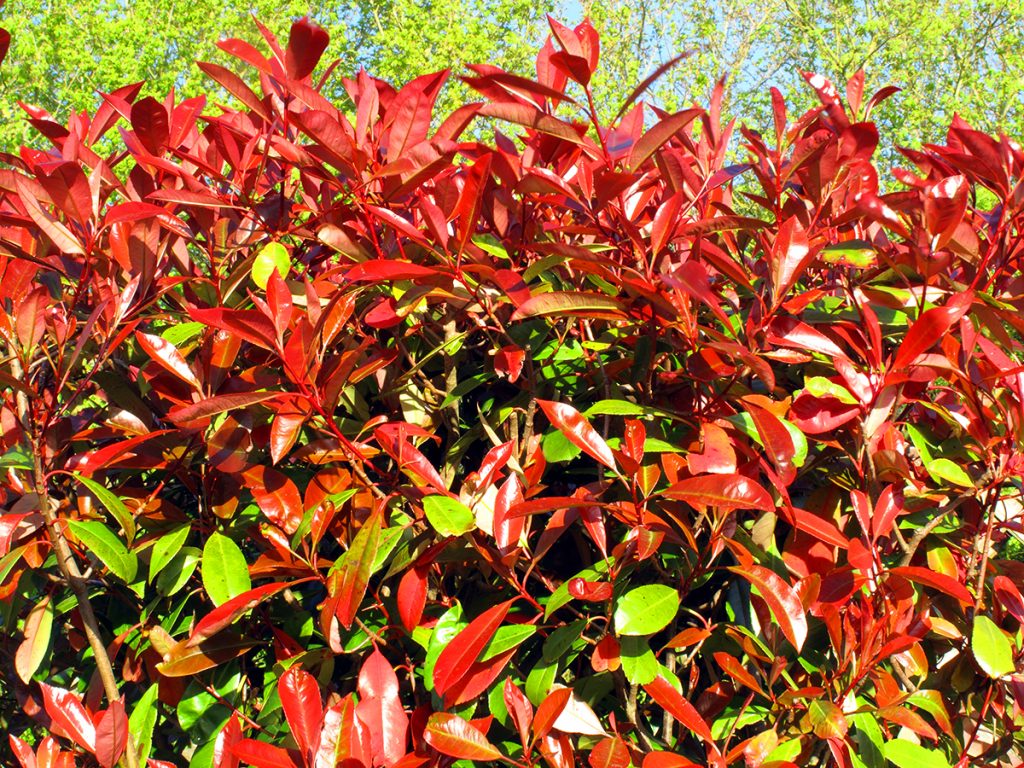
(332,436)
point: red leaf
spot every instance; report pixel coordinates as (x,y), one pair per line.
(259,754)
(225,614)
(533,118)
(167,356)
(93,461)
(519,709)
(549,710)
(306,44)
(723,491)
(284,431)
(610,753)
(477,679)
(1009,597)
(590,591)
(930,328)
(776,438)
(935,580)
(508,528)
(945,203)
(682,710)
(112,735)
(659,135)
(782,600)
(737,671)
(816,415)
(336,735)
(790,255)
(348,583)
(508,362)
(409,458)
(380,270)
(70,716)
(277,496)
(410,112)
(211,406)
(412,596)
(234,85)
(718,455)
(451,735)
(151,124)
(230,734)
(69,189)
(578,431)
(381,710)
(53,229)
(300,699)
(460,654)
(247,324)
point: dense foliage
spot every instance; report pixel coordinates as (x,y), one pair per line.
(333,438)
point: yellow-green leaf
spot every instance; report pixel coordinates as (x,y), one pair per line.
(105,544)
(224,570)
(992,649)
(273,256)
(113,504)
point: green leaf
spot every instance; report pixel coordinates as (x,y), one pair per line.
(181,334)
(951,472)
(110,550)
(273,256)
(447,627)
(142,722)
(448,516)
(819,386)
(178,571)
(16,458)
(389,539)
(853,253)
(557,448)
(224,571)
(646,610)
(868,737)
(616,408)
(907,754)
(991,647)
(539,681)
(507,638)
(165,548)
(561,640)
(638,661)
(113,504)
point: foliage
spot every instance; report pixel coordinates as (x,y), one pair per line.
(333,438)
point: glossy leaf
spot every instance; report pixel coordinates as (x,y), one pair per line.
(578,430)
(452,736)
(646,610)
(224,569)
(460,654)
(107,547)
(782,600)
(992,649)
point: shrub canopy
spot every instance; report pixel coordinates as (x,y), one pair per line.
(333,438)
